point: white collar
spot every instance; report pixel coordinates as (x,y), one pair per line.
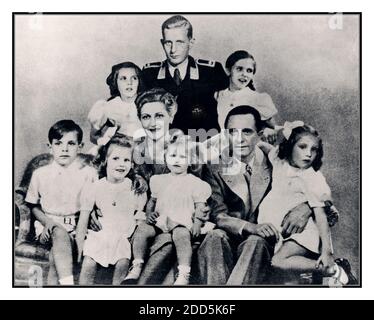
(181,67)
(126,184)
(296,172)
(244,91)
(118,100)
(238,166)
(245,165)
(73,166)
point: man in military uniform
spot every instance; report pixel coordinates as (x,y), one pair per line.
(192,81)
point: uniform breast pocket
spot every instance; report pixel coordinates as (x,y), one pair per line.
(198,112)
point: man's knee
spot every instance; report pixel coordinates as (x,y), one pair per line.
(216,235)
(255,242)
(213,240)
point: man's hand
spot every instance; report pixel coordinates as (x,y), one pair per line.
(202,213)
(270,135)
(296,220)
(266,230)
(139,185)
(196,230)
(152,218)
(327,261)
(95,224)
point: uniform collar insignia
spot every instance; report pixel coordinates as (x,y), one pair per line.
(162,71)
(194,71)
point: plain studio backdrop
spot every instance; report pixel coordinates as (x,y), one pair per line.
(309,64)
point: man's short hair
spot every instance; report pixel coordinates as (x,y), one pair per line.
(61,127)
(242,110)
(177,21)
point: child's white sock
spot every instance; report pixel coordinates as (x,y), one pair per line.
(138,261)
(184,269)
(183,275)
(340,274)
(67,281)
(135,270)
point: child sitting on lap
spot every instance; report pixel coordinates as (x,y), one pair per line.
(296,179)
(175,198)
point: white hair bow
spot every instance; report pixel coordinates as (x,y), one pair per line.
(289,126)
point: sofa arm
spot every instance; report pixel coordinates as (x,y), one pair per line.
(24,216)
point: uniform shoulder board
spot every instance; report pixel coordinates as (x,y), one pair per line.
(207,63)
(152,65)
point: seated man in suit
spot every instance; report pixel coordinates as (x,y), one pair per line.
(239,251)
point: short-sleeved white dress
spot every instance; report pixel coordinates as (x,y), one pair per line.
(176,197)
(118,204)
(227,100)
(124,114)
(291,187)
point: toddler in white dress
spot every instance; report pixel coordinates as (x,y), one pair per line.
(175,197)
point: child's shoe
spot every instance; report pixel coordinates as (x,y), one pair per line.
(183,278)
(134,273)
(340,277)
(344,264)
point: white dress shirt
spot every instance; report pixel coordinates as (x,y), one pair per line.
(181,67)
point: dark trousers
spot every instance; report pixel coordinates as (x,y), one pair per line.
(221,259)
(224,259)
(162,258)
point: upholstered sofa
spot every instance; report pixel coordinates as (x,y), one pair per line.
(30,257)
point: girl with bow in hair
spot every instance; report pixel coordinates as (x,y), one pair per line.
(297,179)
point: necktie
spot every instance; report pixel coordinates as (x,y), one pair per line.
(247,175)
(177,77)
(248,168)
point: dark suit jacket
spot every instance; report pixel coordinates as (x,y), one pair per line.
(197,107)
(228,210)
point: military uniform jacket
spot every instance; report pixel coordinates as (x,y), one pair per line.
(197,107)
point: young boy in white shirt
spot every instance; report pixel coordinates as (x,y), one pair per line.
(54,196)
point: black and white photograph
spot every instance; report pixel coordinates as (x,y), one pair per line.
(187,149)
